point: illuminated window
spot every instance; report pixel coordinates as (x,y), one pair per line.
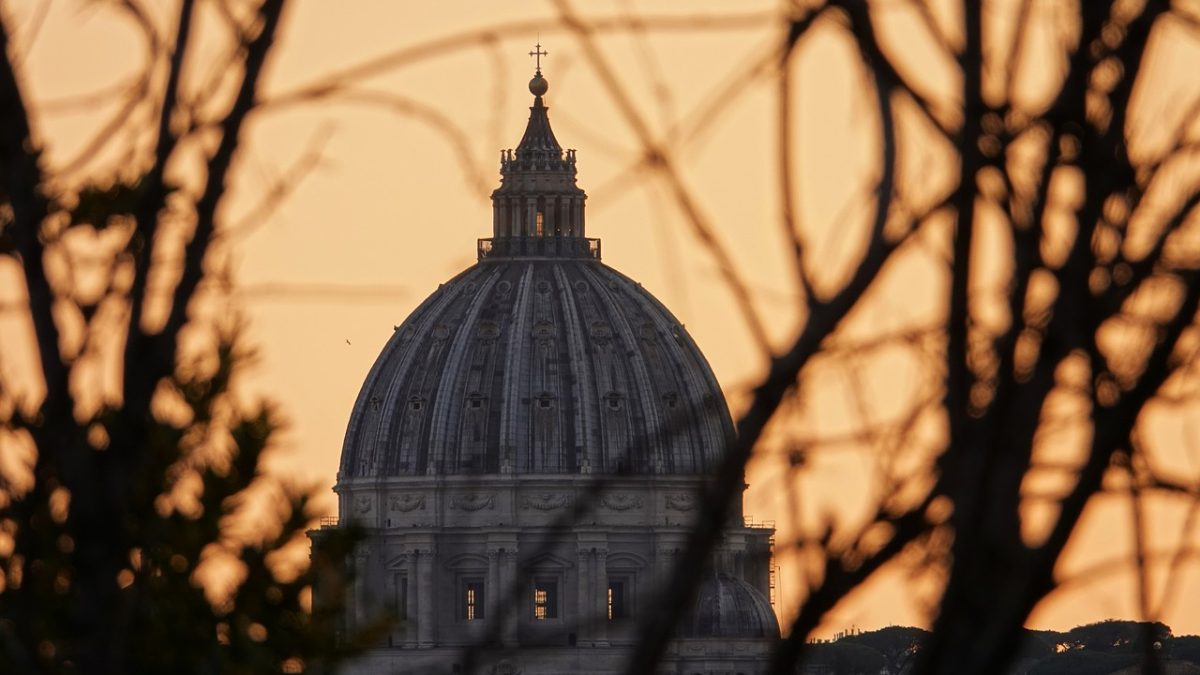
(618,601)
(540,226)
(472,600)
(545,600)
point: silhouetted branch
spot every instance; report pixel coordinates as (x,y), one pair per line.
(279,189)
(658,157)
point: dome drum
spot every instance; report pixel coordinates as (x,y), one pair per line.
(519,501)
(491,248)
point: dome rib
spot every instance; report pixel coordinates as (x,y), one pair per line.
(647,423)
(367,404)
(727,607)
(452,391)
(509,433)
(693,377)
(581,384)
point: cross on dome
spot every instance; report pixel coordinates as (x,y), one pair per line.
(538,85)
(538,53)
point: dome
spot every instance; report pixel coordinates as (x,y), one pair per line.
(539,359)
(538,365)
(729,608)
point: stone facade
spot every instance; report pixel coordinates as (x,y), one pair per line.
(527,456)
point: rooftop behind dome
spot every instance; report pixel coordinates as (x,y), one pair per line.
(727,607)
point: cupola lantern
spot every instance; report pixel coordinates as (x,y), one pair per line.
(538,209)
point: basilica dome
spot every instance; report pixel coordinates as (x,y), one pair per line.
(528,457)
(538,365)
(539,358)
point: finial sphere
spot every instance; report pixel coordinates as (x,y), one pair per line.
(538,85)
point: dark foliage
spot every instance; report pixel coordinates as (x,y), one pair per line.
(1083,663)
(143,536)
(1103,648)
(1118,637)
(1185,648)
(898,644)
(845,658)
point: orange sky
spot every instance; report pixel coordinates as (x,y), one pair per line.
(395,204)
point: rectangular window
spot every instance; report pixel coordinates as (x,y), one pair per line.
(545,600)
(401,598)
(618,600)
(472,600)
(540,226)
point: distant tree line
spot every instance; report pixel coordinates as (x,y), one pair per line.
(1106,648)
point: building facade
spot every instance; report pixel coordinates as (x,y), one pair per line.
(527,455)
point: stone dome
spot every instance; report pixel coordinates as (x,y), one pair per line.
(727,607)
(538,364)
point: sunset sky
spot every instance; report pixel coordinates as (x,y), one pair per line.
(408,152)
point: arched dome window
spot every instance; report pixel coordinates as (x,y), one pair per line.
(613,401)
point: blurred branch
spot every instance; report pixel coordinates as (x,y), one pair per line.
(659,158)
(822,321)
(429,115)
(280,189)
(326,84)
(1135,469)
(151,200)
(791,234)
(165,344)
(23,184)
(30,33)
(136,95)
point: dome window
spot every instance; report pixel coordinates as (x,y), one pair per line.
(489,330)
(613,400)
(601,330)
(415,404)
(543,330)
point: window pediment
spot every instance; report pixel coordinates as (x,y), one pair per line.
(467,561)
